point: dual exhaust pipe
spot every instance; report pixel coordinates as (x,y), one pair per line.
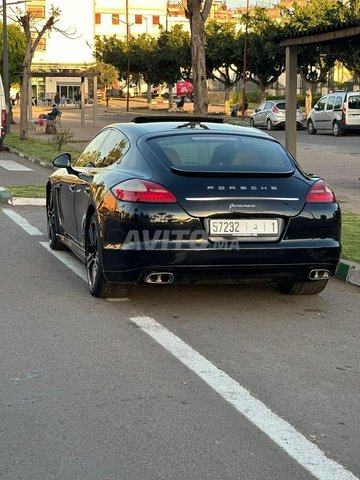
(319,274)
(159,278)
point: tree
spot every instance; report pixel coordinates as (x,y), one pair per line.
(16,48)
(224,56)
(265,59)
(197,11)
(143,60)
(107,75)
(33,33)
(314,62)
(173,56)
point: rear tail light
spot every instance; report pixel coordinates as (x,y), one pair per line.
(3,122)
(320,193)
(343,116)
(137,190)
(275,109)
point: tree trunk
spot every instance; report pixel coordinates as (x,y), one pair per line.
(148,95)
(262,93)
(197,27)
(308,98)
(227,109)
(24,103)
(171,98)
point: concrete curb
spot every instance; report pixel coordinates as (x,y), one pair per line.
(348,272)
(28,157)
(37,202)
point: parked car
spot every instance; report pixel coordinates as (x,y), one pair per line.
(338,112)
(271,114)
(189,200)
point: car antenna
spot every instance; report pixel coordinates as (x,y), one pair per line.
(192,124)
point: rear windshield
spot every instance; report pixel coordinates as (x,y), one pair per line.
(225,153)
(354,102)
(282,106)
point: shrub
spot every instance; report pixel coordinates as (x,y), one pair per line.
(61,138)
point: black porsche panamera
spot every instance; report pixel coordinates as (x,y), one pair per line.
(192,200)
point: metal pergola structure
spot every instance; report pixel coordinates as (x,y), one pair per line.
(344,34)
(72,73)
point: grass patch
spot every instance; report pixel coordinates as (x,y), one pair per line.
(36,147)
(28,191)
(350,236)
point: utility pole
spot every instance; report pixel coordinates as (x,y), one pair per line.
(128,56)
(244,62)
(6,67)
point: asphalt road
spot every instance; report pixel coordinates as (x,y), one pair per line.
(90,391)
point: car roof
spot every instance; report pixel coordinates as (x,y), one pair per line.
(185,126)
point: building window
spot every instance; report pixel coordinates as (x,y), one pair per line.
(156,20)
(97,18)
(138,19)
(41,45)
(36,12)
(115,19)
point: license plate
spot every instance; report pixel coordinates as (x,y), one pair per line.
(244,228)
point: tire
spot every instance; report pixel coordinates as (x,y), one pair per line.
(303,288)
(97,284)
(269,124)
(166,96)
(337,131)
(252,123)
(54,242)
(310,128)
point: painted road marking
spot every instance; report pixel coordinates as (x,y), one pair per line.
(67,260)
(281,432)
(14,166)
(19,220)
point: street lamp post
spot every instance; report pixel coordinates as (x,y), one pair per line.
(244,63)
(128,57)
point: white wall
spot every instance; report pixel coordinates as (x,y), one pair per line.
(77,19)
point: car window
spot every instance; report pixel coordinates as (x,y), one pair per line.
(91,153)
(354,102)
(330,103)
(338,103)
(321,104)
(261,107)
(281,105)
(268,105)
(201,153)
(112,149)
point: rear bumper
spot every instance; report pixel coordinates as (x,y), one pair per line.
(232,266)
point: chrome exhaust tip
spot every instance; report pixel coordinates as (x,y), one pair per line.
(159,278)
(319,274)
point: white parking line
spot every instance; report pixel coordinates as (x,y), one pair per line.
(14,166)
(281,432)
(64,257)
(19,220)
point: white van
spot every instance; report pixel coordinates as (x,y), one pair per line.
(3,110)
(338,112)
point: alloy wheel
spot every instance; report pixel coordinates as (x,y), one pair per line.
(92,254)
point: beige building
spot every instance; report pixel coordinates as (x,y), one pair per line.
(112,17)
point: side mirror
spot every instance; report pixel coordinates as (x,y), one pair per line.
(257,110)
(316,107)
(62,161)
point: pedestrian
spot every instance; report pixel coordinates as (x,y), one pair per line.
(17,99)
(57,100)
(63,101)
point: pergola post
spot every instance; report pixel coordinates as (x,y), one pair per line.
(82,103)
(290,95)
